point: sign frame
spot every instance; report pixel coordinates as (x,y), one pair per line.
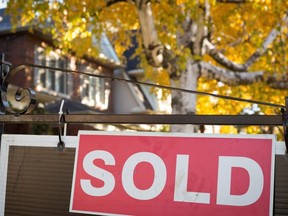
(24,141)
(274,150)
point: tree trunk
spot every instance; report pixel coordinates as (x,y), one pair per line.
(185,103)
(192,37)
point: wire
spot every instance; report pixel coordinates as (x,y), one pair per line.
(157,85)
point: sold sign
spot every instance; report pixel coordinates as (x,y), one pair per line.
(173,174)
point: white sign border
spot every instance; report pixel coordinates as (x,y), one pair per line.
(125,133)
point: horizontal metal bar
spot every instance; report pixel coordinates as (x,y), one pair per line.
(275,120)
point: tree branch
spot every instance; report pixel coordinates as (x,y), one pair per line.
(154,49)
(275,83)
(221,59)
(269,39)
(232,1)
(111,2)
(233,78)
(229,77)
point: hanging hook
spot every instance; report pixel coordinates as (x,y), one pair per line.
(61,144)
(285,124)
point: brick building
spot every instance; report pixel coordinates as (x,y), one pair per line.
(82,93)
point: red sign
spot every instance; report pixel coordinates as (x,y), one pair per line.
(170,174)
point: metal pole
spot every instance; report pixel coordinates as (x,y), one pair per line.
(259,120)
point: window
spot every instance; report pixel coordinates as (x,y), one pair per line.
(48,79)
(94,90)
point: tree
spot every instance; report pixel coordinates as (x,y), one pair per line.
(218,46)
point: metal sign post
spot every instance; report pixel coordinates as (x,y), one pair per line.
(257,120)
(4,70)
